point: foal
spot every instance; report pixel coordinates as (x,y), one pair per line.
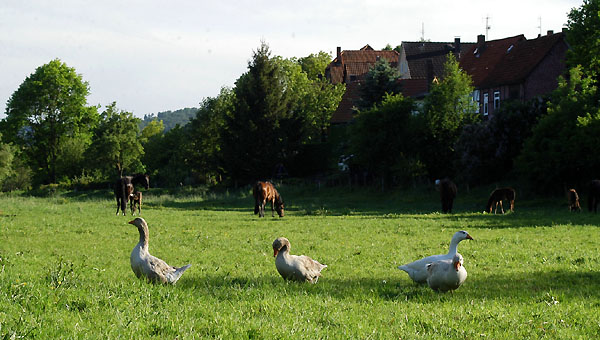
(264,192)
(135,199)
(573,200)
(497,196)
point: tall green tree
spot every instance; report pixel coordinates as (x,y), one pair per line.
(381,79)
(314,65)
(448,108)
(562,149)
(383,140)
(583,35)
(314,98)
(260,128)
(166,157)
(47,114)
(116,148)
(206,136)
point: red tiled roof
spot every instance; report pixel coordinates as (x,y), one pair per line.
(417,54)
(414,88)
(480,63)
(517,64)
(357,62)
(344,111)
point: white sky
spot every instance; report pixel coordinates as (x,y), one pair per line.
(151,56)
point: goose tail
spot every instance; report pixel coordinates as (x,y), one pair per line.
(177,273)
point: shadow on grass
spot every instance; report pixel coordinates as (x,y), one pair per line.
(539,286)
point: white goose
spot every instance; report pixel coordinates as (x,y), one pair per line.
(445,275)
(294,267)
(417,270)
(148,266)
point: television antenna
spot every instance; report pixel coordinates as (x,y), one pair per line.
(487,26)
(540,25)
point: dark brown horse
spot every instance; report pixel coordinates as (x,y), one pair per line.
(447,190)
(573,200)
(124,188)
(265,192)
(594,195)
(498,196)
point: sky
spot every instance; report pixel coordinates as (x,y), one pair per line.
(151,56)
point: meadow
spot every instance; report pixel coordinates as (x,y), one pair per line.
(65,273)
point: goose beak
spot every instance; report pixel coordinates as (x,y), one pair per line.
(457,265)
(131,222)
(469,237)
(275,252)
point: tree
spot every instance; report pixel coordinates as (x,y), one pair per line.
(46,113)
(381,79)
(583,36)
(206,136)
(486,150)
(260,129)
(562,148)
(447,108)
(382,139)
(116,148)
(315,64)
(166,157)
(314,99)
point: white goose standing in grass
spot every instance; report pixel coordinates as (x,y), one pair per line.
(148,266)
(445,275)
(417,270)
(294,267)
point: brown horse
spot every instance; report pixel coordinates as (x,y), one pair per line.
(447,190)
(124,188)
(265,192)
(135,199)
(498,196)
(594,195)
(573,200)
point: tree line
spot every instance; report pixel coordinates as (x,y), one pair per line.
(276,120)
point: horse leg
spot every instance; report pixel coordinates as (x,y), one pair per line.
(261,213)
(512,205)
(501,207)
(273,208)
(118,205)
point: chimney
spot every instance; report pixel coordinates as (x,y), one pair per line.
(550,32)
(429,65)
(339,54)
(480,42)
(457,47)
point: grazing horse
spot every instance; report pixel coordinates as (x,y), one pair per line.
(594,195)
(265,192)
(447,190)
(573,200)
(135,199)
(124,188)
(498,196)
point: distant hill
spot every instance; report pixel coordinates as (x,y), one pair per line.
(171,118)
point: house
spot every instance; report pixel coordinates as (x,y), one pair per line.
(418,63)
(349,67)
(423,61)
(514,68)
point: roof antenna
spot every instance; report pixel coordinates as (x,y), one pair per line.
(422,31)
(540,26)
(487,26)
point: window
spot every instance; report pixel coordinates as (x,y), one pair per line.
(476,100)
(485,104)
(496,99)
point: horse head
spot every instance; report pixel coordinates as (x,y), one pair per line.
(279,205)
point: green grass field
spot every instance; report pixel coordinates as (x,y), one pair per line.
(65,273)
